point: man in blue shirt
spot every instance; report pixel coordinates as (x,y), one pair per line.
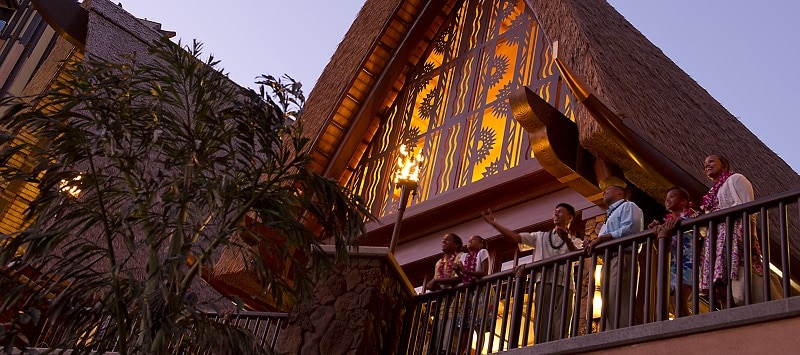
(623,218)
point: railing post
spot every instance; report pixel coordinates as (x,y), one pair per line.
(697,248)
(711,241)
(784,215)
(747,235)
(647,279)
(679,257)
(662,273)
(729,236)
(516,313)
(590,290)
(765,250)
(576,308)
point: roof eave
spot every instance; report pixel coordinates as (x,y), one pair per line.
(67,18)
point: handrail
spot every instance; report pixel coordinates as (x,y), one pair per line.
(770,201)
(266,328)
(252,314)
(439,313)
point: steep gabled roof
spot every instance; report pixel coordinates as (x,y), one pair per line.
(656,101)
(653,96)
(363,77)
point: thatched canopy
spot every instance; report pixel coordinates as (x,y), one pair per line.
(653,98)
(637,111)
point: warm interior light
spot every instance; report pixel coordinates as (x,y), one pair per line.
(597,300)
(67,187)
(778,272)
(598,274)
(408,166)
(485,347)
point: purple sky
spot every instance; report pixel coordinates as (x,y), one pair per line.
(745,54)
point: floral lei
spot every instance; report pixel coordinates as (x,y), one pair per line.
(688,213)
(446,268)
(710,202)
(469,264)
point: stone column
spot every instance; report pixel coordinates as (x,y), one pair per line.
(358,309)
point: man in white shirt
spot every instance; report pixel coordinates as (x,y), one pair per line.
(554,242)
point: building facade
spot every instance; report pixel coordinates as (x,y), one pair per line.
(515,106)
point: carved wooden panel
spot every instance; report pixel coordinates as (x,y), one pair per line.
(455,108)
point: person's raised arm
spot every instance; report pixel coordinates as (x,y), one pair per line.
(489,218)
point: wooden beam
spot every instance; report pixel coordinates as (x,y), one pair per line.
(67,18)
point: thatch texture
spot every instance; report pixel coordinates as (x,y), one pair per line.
(628,72)
(654,96)
(112,34)
(655,99)
(338,75)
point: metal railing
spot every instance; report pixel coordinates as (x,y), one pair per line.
(266,327)
(499,312)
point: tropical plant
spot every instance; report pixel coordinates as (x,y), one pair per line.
(169,163)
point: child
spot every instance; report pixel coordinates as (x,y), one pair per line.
(475,262)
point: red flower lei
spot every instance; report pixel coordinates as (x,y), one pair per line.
(688,213)
(710,202)
(470,262)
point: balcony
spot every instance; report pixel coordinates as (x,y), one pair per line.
(498,313)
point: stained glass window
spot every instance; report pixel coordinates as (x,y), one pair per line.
(456,108)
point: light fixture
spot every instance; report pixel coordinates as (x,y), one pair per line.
(597,299)
(406,178)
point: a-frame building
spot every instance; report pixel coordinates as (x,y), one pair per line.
(515,106)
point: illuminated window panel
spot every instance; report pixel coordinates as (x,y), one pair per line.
(456,108)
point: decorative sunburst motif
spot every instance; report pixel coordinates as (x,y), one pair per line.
(410,136)
(423,77)
(515,36)
(484,144)
(428,105)
(501,108)
(427,69)
(498,69)
(506,90)
(443,42)
(505,8)
(492,168)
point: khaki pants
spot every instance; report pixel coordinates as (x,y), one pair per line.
(551,308)
(610,298)
(756,288)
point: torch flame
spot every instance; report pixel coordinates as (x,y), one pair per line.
(72,190)
(408,166)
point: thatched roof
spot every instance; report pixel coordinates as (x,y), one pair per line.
(340,73)
(101,30)
(655,98)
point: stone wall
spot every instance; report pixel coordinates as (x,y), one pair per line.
(358,309)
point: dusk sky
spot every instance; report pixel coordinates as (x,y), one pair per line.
(742,52)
